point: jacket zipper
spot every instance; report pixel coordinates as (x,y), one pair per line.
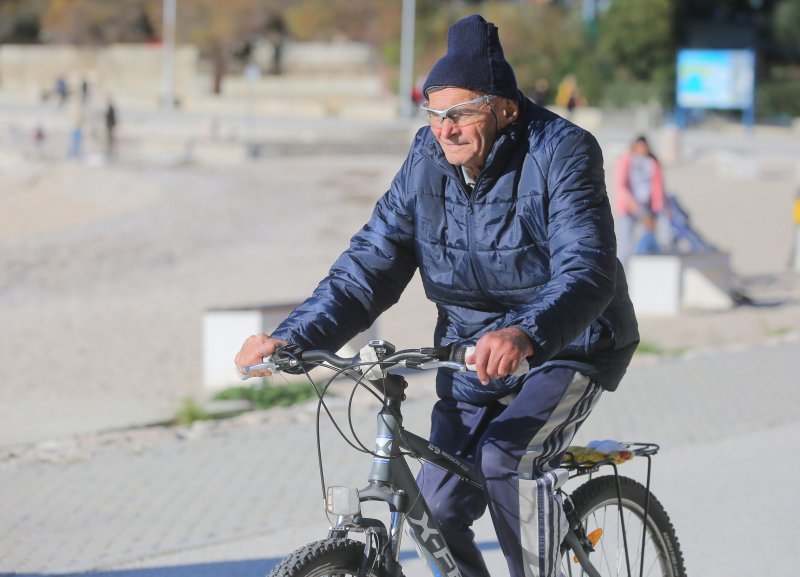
(476,271)
(470,194)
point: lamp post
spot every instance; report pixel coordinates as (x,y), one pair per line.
(168,54)
(407,57)
(252,74)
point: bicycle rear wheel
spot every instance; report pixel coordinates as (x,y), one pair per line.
(597,506)
(334,557)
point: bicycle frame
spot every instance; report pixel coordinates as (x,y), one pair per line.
(391,481)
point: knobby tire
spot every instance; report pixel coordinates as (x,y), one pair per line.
(335,557)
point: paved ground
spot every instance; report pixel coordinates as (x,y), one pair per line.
(86,250)
(232,499)
(117,291)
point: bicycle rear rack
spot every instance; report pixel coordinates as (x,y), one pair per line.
(638,449)
(578,468)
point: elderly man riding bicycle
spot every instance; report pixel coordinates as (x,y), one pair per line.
(502,207)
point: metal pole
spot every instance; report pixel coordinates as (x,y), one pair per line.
(589,11)
(168,54)
(252,74)
(589,15)
(407,58)
(749,113)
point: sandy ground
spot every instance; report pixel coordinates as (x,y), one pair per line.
(106,273)
(106,269)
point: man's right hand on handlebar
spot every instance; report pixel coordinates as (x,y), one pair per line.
(253,351)
(499,353)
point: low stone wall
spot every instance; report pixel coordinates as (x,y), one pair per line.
(318,57)
(666,284)
(320,79)
(128,70)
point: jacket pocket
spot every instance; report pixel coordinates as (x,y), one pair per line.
(602,336)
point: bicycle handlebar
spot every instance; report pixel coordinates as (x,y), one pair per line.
(451,357)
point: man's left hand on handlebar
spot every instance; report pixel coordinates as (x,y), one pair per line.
(499,353)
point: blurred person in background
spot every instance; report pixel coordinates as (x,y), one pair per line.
(541,91)
(569,95)
(76,117)
(110,120)
(639,200)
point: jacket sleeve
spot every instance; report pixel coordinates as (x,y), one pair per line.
(582,249)
(365,280)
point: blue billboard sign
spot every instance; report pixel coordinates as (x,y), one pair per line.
(716,79)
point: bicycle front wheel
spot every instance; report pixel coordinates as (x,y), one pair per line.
(652,546)
(334,557)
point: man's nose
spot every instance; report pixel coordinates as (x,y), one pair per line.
(448,127)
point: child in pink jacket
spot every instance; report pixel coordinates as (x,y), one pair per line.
(639,188)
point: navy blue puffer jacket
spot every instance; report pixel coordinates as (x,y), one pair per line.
(532,246)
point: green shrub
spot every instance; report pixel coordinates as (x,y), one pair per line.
(190,412)
(625,93)
(265,397)
(778,98)
(650,348)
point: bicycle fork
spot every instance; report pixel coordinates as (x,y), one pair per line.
(409,510)
(391,481)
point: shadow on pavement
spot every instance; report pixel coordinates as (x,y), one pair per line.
(245,568)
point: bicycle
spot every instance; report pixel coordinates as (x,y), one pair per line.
(616,525)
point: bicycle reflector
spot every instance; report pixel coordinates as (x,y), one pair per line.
(342,500)
(594,539)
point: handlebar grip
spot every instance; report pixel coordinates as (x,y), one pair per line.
(460,353)
(321,356)
(308,360)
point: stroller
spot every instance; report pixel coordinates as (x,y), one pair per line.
(683,237)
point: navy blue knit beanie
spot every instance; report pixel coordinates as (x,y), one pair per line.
(474,61)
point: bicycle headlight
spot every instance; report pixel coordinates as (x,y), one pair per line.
(342,500)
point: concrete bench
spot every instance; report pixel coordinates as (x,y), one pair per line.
(666,284)
(225,329)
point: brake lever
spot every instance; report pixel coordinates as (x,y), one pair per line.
(265,366)
(422,366)
(269,364)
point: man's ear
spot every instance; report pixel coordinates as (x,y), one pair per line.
(510,111)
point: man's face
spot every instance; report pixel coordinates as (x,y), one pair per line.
(469,145)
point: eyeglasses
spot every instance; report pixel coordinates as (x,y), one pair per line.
(461,114)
